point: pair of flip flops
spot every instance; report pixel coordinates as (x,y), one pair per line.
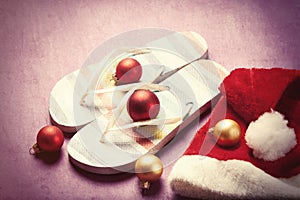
(85,101)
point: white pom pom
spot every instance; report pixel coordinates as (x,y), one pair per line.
(270,137)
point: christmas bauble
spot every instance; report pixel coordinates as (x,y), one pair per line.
(143,105)
(128,70)
(50,139)
(148,168)
(227,133)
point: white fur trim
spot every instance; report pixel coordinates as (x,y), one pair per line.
(204,177)
(270,137)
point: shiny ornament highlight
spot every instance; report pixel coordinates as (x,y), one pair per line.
(49,139)
(227,133)
(143,105)
(128,70)
(148,168)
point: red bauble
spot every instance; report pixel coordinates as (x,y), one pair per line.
(50,139)
(143,105)
(128,70)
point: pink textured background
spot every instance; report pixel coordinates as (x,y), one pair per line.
(41,41)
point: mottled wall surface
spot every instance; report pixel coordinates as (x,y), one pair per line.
(41,41)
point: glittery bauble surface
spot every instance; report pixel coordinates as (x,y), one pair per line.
(227,132)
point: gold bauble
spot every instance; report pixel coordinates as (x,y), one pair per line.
(227,133)
(148,168)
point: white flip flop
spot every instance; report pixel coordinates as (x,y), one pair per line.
(123,147)
(191,90)
(64,104)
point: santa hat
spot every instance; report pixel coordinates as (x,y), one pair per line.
(266,161)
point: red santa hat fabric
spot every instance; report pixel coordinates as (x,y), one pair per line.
(249,96)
